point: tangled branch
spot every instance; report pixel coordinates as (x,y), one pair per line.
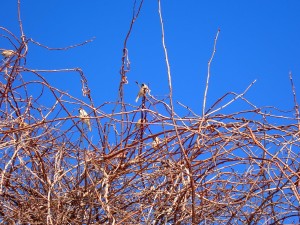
(143,165)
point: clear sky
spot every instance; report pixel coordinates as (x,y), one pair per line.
(258,40)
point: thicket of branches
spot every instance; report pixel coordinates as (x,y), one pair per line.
(239,168)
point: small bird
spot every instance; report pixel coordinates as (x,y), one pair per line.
(140,122)
(83,116)
(8,53)
(156,142)
(143,90)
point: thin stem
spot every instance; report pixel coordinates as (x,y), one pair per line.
(172,114)
(208,72)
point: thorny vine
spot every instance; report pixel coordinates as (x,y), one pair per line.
(238,168)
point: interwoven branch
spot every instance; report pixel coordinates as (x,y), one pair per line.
(238,168)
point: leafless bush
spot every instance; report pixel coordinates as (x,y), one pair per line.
(239,168)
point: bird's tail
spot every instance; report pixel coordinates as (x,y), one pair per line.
(137,98)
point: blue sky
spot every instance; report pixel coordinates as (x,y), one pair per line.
(258,40)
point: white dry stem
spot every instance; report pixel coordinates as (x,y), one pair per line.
(232,100)
(5,168)
(208,72)
(105,184)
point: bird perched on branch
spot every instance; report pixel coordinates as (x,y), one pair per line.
(155,143)
(139,123)
(143,90)
(8,53)
(83,116)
